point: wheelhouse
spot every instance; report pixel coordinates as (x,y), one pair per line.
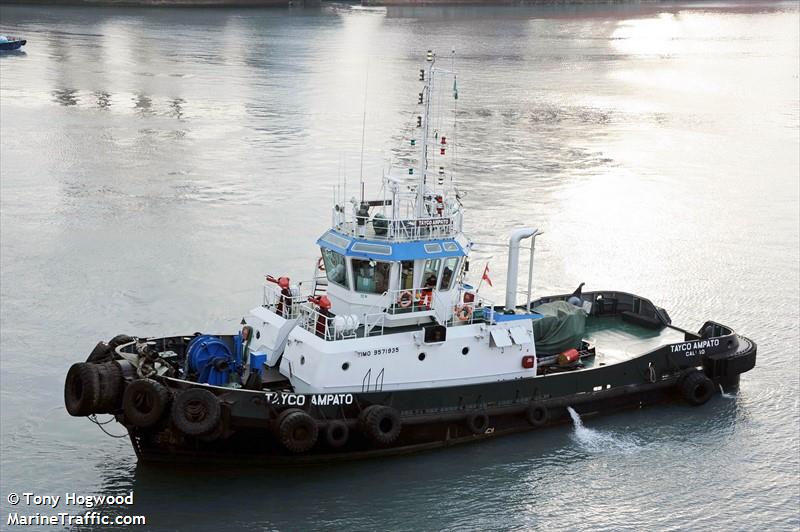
(405,276)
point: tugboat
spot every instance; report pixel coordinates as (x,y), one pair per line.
(389,350)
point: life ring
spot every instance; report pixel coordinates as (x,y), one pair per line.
(537,415)
(405,299)
(82,389)
(477,422)
(196,412)
(297,431)
(336,433)
(381,424)
(696,388)
(321,264)
(144,402)
(464,312)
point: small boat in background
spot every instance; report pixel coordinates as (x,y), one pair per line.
(11,43)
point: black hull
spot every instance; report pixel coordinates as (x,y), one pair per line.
(438,417)
(416,438)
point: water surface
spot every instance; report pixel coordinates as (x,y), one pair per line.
(155,164)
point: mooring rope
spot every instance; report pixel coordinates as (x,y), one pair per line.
(93,419)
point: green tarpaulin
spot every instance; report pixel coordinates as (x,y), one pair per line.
(562,327)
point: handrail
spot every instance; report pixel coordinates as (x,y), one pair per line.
(405,229)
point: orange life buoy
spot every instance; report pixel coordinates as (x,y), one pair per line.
(321,264)
(464,312)
(405,299)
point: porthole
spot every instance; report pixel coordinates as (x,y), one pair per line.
(258,335)
(302,360)
(421,357)
(465,351)
(345,366)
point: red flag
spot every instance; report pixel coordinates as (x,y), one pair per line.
(486,275)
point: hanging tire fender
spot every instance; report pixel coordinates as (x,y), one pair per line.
(119,340)
(144,402)
(537,415)
(102,352)
(196,412)
(696,388)
(297,431)
(112,386)
(477,422)
(82,389)
(336,433)
(381,424)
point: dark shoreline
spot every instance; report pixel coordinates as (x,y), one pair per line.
(317,3)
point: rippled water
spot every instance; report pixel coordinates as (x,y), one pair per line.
(156,163)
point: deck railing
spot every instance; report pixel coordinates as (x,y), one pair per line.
(401,230)
(399,303)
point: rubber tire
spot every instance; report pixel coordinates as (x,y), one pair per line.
(537,415)
(374,419)
(696,388)
(82,389)
(144,402)
(477,422)
(118,340)
(111,387)
(101,353)
(196,412)
(336,434)
(297,431)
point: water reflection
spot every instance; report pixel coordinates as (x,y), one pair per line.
(151,191)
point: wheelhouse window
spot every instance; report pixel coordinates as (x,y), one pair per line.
(371,277)
(449,273)
(335,268)
(430,274)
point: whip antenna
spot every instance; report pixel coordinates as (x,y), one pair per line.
(363,131)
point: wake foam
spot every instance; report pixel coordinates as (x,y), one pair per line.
(595,441)
(725,395)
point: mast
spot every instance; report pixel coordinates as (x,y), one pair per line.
(423,161)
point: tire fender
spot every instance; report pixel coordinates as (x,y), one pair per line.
(537,415)
(337,433)
(297,431)
(112,385)
(144,402)
(477,422)
(196,412)
(696,388)
(82,389)
(381,424)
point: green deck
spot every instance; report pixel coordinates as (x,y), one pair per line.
(617,340)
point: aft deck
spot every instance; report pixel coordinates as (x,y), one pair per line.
(617,340)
